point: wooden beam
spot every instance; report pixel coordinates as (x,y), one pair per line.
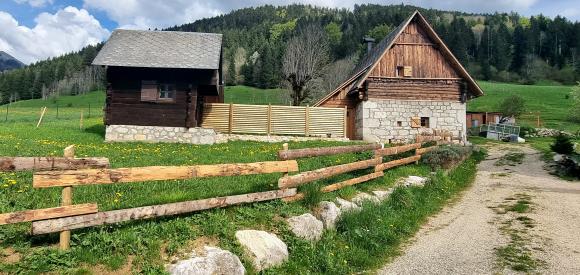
(395,163)
(48,213)
(325,151)
(340,185)
(422,151)
(396,150)
(309,176)
(64,243)
(147,212)
(154,173)
(50,163)
(414,44)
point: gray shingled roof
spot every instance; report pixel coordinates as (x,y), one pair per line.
(161,49)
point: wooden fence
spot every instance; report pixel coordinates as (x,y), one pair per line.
(275,120)
(68,217)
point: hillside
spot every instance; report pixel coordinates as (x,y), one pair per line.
(255,40)
(8,62)
(551,102)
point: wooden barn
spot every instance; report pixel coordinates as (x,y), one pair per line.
(160,78)
(408,83)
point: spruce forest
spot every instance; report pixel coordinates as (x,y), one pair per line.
(499,47)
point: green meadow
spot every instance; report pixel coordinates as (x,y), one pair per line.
(361,242)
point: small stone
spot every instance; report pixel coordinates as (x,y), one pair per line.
(328,213)
(215,261)
(346,206)
(413,181)
(265,249)
(361,198)
(383,195)
(306,226)
(558,157)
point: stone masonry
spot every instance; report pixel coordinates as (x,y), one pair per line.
(384,120)
(160,134)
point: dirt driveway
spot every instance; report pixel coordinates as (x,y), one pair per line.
(515,218)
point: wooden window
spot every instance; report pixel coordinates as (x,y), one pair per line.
(149,90)
(167,92)
(404,71)
(415,122)
(424,122)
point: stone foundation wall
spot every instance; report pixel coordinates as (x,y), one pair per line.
(160,134)
(377,120)
(124,133)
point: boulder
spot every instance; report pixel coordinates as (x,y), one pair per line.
(306,226)
(264,249)
(558,157)
(328,213)
(346,206)
(215,261)
(361,198)
(413,181)
(383,195)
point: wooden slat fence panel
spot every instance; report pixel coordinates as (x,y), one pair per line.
(288,120)
(216,116)
(280,120)
(250,119)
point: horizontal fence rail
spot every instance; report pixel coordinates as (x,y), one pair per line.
(155,173)
(275,120)
(50,163)
(48,213)
(325,151)
(148,212)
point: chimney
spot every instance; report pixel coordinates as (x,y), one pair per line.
(370,41)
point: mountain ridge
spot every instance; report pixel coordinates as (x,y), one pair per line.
(8,62)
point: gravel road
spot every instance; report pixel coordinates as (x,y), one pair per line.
(464,237)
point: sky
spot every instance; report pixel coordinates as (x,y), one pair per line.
(33,30)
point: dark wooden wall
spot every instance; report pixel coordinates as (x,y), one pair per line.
(124,105)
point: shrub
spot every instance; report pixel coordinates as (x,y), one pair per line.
(562,145)
(445,156)
(527,131)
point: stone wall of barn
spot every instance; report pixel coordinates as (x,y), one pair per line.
(389,120)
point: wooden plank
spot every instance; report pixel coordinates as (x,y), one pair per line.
(395,163)
(396,150)
(309,176)
(48,213)
(325,151)
(340,185)
(422,151)
(147,212)
(154,173)
(50,163)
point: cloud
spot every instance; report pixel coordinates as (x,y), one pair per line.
(35,3)
(67,30)
(143,14)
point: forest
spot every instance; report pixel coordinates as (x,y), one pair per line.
(502,47)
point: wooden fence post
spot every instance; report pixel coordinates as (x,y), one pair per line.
(231,118)
(69,152)
(41,116)
(285,148)
(81,122)
(307,121)
(269,118)
(344,121)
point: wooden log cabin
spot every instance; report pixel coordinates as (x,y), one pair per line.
(160,78)
(408,83)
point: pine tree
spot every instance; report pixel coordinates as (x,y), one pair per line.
(520,49)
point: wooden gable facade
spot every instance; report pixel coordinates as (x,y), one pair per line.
(411,63)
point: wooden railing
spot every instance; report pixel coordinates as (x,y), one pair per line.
(68,217)
(275,120)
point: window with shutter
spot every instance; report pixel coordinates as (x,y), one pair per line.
(149,91)
(415,122)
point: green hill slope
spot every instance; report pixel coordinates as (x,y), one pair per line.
(550,101)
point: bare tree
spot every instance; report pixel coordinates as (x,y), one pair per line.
(333,75)
(305,57)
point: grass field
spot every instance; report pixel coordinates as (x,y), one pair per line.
(361,242)
(251,95)
(550,101)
